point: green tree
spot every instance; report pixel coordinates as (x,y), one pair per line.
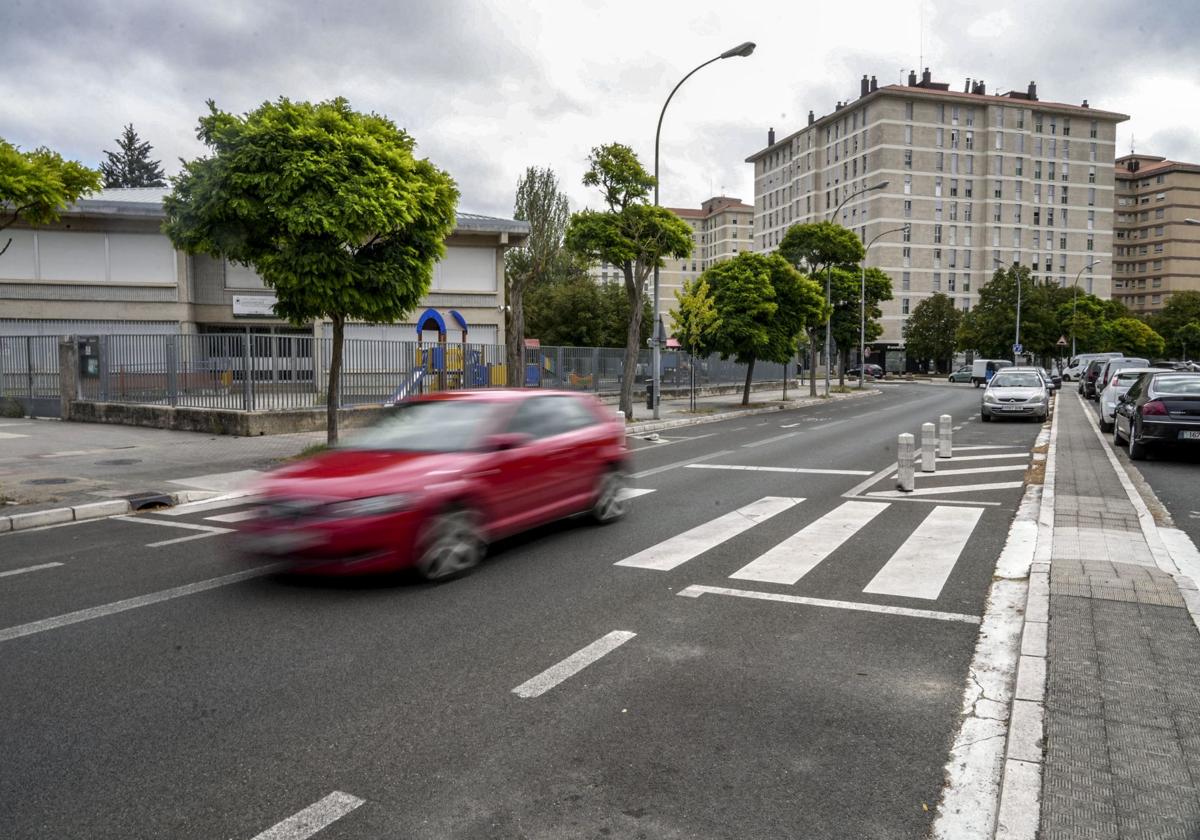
(696,322)
(846,292)
(130,165)
(762,305)
(1181,308)
(1188,336)
(541,259)
(329,206)
(929,332)
(36,186)
(1133,338)
(1086,325)
(990,326)
(814,248)
(576,312)
(631,234)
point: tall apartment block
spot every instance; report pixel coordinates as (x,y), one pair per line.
(981,179)
(1155,251)
(721,227)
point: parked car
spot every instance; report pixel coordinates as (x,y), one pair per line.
(439,478)
(1016,393)
(1158,409)
(1078,365)
(982,370)
(1053,378)
(1120,382)
(1087,384)
(963,374)
(1114,365)
(872,370)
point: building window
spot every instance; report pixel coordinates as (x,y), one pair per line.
(937,187)
(906,256)
(1091,174)
(1092,152)
(997,189)
(1092,131)
(950,282)
(903,306)
(908,134)
(969,140)
(905,280)
(908,185)
(908,158)
(937,281)
(941,135)
(908,110)
(937,234)
(999,140)
(906,234)
(1091,196)
(907,209)
(1020,167)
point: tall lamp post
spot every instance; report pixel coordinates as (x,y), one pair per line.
(1074,295)
(862,307)
(829,278)
(741,50)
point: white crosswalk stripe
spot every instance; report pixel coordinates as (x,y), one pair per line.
(681,548)
(800,553)
(920,567)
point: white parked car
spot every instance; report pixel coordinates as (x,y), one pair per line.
(1016,393)
(1078,365)
(1118,383)
(1112,366)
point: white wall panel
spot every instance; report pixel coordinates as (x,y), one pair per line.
(241,277)
(466,270)
(18,262)
(71,256)
(141,258)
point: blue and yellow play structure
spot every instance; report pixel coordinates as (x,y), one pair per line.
(440,366)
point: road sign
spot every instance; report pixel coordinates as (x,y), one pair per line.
(1062,341)
(1018,349)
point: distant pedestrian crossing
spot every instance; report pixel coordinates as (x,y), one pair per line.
(917,568)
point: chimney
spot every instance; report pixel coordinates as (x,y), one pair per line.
(967,86)
(912,78)
(926,77)
(811,118)
(1032,94)
(874,85)
(1085,105)
(864,87)
(982,88)
(770,136)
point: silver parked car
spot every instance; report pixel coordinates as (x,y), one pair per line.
(1119,381)
(1016,393)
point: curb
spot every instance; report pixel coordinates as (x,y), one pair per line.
(96,510)
(642,426)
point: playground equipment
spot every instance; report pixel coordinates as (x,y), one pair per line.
(441,366)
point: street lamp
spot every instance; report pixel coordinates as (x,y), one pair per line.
(862,307)
(829,278)
(996,263)
(1074,295)
(741,50)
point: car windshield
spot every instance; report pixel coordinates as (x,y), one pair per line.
(432,426)
(1019,379)
(1182,386)
(1128,377)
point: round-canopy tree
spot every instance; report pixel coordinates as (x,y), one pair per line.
(327,204)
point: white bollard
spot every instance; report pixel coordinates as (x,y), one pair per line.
(905,479)
(945,436)
(928,447)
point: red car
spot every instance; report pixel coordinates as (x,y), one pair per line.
(439,478)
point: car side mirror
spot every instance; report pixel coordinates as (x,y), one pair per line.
(1122,398)
(505,441)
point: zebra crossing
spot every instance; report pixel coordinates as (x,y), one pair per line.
(918,568)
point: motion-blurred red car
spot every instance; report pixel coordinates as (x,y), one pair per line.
(439,478)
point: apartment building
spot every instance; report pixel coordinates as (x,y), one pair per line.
(1155,251)
(982,179)
(721,228)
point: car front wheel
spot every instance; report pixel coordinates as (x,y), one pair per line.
(1104,426)
(451,545)
(610,504)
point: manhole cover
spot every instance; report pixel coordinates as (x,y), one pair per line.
(119,462)
(50,481)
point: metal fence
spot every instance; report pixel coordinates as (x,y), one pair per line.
(269,372)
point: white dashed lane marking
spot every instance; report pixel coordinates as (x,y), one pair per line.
(314,818)
(573,664)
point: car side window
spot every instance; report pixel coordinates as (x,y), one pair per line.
(1135,390)
(534,418)
(572,414)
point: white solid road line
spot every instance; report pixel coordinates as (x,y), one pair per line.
(681,548)
(29,569)
(920,567)
(800,553)
(7,435)
(696,590)
(236,516)
(215,503)
(809,470)
(633,492)
(206,530)
(9,633)
(972,470)
(683,463)
(959,488)
(306,823)
(573,664)
(1009,456)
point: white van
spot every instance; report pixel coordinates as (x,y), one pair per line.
(1079,364)
(982,370)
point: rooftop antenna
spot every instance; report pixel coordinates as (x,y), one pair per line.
(921,37)
(1131,139)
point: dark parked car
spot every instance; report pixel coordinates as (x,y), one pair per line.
(872,370)
(1157,410)
(439,478)
(1087,383)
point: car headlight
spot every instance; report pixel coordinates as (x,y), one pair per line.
(991,399)
(1037,398)
(371,506)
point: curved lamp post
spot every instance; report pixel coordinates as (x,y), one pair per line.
(862,307)
(741,51)
(1074,295)
(829,277)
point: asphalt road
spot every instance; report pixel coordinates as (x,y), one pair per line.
(810,691)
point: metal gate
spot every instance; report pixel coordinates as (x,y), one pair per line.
(29,374)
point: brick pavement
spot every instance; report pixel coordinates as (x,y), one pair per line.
(1122,719)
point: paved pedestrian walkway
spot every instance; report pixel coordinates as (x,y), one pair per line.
(1122,726)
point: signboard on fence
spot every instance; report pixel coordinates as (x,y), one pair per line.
(254,306)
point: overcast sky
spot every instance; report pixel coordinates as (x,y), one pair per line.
(488,87)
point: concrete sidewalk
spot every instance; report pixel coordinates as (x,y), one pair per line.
(51,465)
(1122,704)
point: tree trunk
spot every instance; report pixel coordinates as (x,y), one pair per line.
(749,376)
(812,364)
(844,357)
(333,401)
(633,335)
(515,339)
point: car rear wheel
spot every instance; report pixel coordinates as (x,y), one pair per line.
(610,504)
(1105,427)
(451,545)
(1117,439)
(1137,449)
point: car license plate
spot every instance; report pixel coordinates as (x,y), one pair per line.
(1189,435)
